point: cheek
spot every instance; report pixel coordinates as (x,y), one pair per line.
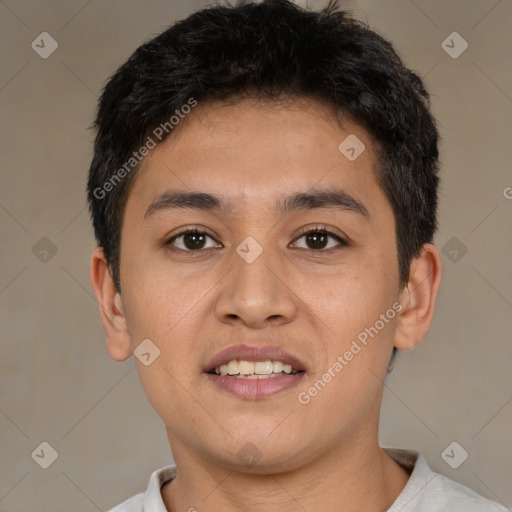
(166,391)
(357,321)
(156,297)
(348,300)
(169,309)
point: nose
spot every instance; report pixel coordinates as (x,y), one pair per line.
(256,293)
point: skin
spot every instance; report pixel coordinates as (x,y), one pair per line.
(313,304)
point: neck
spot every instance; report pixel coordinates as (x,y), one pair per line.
(359,475)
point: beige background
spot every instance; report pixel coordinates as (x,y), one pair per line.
(58,384)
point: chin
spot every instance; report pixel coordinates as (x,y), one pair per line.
(259,454)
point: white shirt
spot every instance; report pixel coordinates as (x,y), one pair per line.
(425,491)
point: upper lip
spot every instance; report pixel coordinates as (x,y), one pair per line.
(254,353)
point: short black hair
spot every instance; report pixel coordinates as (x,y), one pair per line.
(271,50)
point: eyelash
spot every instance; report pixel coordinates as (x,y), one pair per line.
(307,231)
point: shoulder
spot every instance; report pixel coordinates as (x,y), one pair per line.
(133,504)
(443,494)
(428,491)
(451,494)
(150,500)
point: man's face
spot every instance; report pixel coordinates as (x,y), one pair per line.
(251,280)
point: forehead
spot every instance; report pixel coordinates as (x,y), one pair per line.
(255,152)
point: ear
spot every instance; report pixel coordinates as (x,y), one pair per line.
(111,308)
(418,298)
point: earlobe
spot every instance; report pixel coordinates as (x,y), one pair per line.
(111,308)
(418,298)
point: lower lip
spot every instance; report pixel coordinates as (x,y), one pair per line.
(253,389)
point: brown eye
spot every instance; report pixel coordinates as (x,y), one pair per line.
(190,240)
(318,240)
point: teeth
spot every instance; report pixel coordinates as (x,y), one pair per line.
(245,367)
(254,376)
(287,368)
(233,368)
(250,370)
(278,367)
(263,367)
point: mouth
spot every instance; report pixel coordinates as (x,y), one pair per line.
(241,369)
(254,372)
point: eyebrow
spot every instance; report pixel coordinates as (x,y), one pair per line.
(336,199)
